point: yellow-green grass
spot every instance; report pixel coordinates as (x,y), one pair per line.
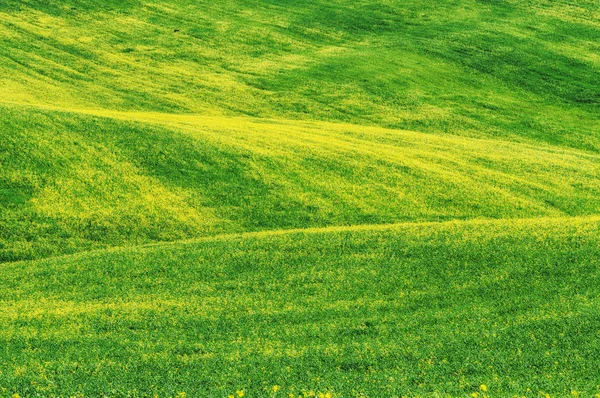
(426,309)
(77,180)
(472,67)
(321,198)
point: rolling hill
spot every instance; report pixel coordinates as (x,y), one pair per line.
(417,309)
(309,198)
(80,181)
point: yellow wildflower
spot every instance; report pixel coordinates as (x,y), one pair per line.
(276,388)
(483,387)
(474,395)
(239,393)
(15,395)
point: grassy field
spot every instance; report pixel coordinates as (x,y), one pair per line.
(312,198)
(426,309)
(76,181)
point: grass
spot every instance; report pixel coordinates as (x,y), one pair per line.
(476,68)
(409,309)
(318,198)
(76,181)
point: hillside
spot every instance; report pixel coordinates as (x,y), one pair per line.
(470,67)
(79,181)
(317,198)
(434,309)
(102,78)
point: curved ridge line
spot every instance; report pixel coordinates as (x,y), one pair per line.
(177,120)
(310,230)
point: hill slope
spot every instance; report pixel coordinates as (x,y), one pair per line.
(77,181)
(318,198)
(92,158)
(432,309)
(470,67)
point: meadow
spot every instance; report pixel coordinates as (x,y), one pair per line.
(373,198)
(425,309)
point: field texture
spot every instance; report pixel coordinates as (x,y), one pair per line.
(260,198)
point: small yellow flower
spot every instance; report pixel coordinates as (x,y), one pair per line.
(574,393)
(474,395)
(230,396)
(181,395)
(239,393)
(15,395)
(276,388)
(483,387)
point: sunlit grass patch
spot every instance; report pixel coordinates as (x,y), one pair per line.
(83,179)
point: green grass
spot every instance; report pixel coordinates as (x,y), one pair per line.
(357,198)
(76,181)
(478,68)
(410,309)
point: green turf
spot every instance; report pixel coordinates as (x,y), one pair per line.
(492,68)
(79,181)
(414,309)
(320,198)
